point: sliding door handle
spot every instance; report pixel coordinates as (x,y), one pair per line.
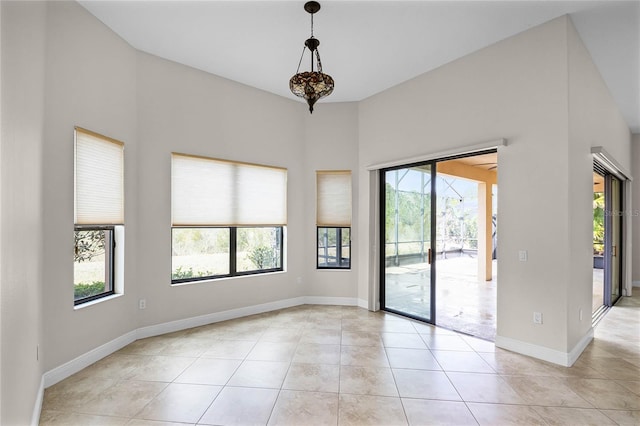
(429,256)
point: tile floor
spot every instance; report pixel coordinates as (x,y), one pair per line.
(333,365)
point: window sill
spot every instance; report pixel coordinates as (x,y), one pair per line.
(334,269)
(214,280)
(95,302)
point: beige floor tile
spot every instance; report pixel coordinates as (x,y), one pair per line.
(417,359)
(159,368)
(513,364)
(305,408)
(479,345)
(605,394)
(356,338)
(624,417)
(260,374)
(425,384)
(364,356)
(279,334)
(469,362)
(398,326)
(188,347)
(505,415)
(313,353)
(632,385)
(489,388)
(431,412)
(229,349)
(124,399)
(403,340)
(445,342)
(74,392)
(272,351)
(149,346)
(367,381)
(546,391)
(65,418)
(209,371)
(142,422)
(241,406)
(116,366)
(180,403)
(321,336)
(313,377)
(617,369)
(559,416)
(370,410)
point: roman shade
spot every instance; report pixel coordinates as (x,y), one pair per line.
(98,179)
(333,204)
(212,192)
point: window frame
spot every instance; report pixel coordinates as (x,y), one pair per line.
(110,254)
(233,254)
(339,258)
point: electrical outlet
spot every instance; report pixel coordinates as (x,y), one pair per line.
(523,256)
(142,304)
(537,317)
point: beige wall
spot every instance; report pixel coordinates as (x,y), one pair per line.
(529,90)
(594,120)
(21,272)
(90,82)
(331,143)
(184,110)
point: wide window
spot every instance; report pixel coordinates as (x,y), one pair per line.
(333,219)
(99,212)
(228,218)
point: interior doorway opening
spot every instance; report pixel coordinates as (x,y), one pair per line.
(440,232)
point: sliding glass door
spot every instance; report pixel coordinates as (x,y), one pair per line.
(407,229)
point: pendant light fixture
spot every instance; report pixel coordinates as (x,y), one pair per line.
(311,85)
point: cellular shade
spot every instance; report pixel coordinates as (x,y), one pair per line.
(212,192)
(333,207)
(99,179)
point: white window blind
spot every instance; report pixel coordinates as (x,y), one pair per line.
(212,192)
(333,192)
(99,179)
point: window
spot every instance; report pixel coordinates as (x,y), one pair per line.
(333,219)
(228,218)
(99,212)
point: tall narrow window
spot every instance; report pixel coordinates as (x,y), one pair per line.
(99,211)
(333,219)
(227,218)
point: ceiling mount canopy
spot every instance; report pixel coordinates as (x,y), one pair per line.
(311,85)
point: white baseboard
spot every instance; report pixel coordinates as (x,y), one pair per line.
(37,408)
(636,284)
(183,324)
(339,301)
(60,373)
(362,303)
(65,370)
(565,359)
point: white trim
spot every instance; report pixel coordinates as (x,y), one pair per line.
(65,370)
(364,304)
(469,149)
(565,359)
(607,160)
(183,324)
(37,408)
(340,301)
(636,284)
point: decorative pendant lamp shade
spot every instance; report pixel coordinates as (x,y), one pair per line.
(311,85)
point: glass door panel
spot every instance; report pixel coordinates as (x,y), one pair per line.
(407,229)
(615,213)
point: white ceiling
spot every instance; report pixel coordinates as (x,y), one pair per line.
(367,46)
